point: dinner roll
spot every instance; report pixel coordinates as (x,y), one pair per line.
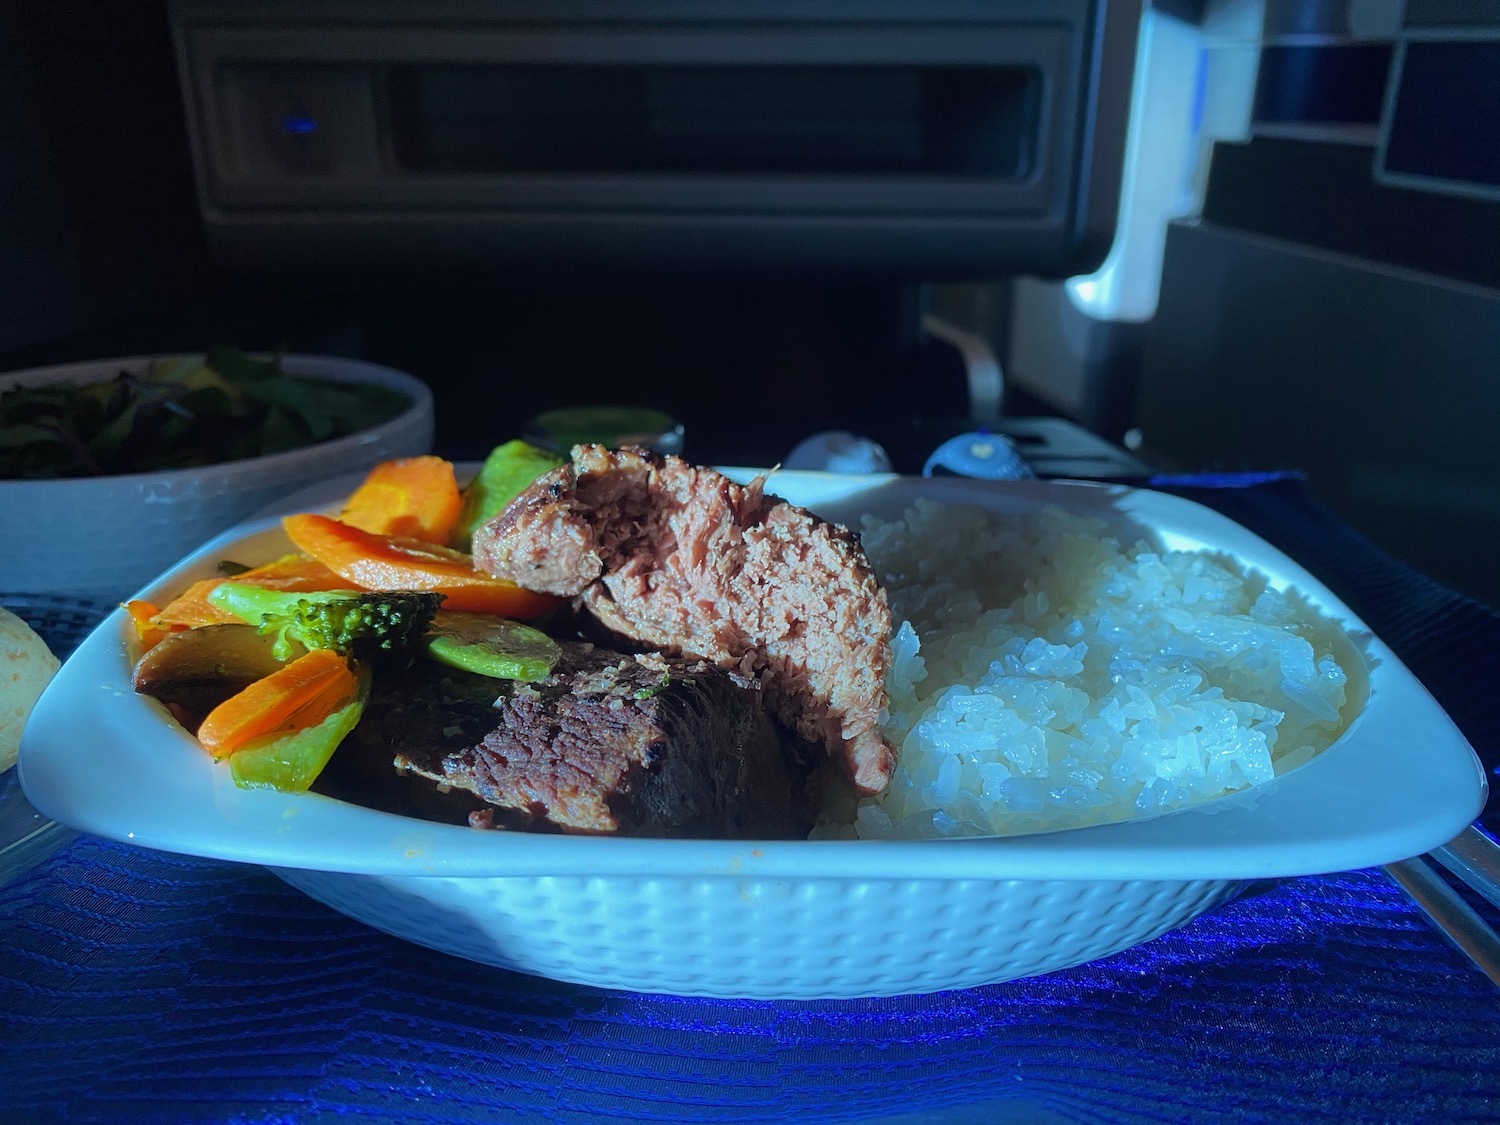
(26,666)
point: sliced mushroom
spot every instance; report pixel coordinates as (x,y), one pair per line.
(194,671)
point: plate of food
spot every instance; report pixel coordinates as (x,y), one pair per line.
(635,723)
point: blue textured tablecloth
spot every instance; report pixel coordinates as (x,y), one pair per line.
(137,986)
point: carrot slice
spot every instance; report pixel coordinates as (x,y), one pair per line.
(415,497)
(300,695)
(391,562)
(192,607)
(290,572)
(149,630)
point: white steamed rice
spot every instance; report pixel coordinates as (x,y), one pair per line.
(1046,676)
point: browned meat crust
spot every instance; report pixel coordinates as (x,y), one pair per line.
(619,745)
(683,559)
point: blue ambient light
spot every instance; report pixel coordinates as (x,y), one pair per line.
(299,124)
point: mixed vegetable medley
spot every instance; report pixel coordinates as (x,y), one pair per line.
(271,666)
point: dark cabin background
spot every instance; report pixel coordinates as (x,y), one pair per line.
(104,254)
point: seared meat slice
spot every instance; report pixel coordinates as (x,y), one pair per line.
(623,745)
(682,559)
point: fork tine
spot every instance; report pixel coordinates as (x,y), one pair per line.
(1475,859)
(1450,913)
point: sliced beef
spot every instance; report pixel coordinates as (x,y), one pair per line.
(639,745)
(429,709)
(683,559)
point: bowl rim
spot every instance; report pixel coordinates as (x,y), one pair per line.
(99,758)
(336,368)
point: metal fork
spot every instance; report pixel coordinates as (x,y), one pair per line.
(1475,859)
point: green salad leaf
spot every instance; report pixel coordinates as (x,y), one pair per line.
(183,411)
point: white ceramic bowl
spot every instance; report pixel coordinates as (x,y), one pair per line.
(775,918)
(104,537)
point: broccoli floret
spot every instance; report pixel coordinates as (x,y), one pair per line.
(365,625)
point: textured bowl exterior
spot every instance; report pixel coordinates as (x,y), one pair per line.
(103,538)
(768,939)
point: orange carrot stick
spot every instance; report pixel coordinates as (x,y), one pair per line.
(300,695)
(149,629)
(290,572)
(388,562)
(415,497)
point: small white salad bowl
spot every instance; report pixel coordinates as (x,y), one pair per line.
(102,537)
(772,919)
